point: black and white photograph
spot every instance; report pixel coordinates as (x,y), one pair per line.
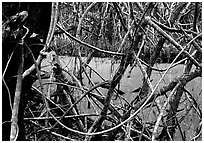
(101,71)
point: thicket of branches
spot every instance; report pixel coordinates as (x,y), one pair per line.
(139,33)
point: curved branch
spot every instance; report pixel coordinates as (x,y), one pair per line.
(89,46)
(48,40)
(53,22)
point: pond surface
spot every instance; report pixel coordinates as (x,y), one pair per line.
(130,81)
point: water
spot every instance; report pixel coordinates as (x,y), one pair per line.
(129,82)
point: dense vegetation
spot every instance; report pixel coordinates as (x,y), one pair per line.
(65,103)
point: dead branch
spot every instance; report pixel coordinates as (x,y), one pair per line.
(178,46)
(17,97)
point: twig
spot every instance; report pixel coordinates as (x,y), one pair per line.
(93,101)
(139,132)
(139,6)
(116,79)
(61,136)
(53,22)
(70,116)
(79,73)
(47,97)
(169,29)
(118,11)
(9,93)
(197,47)
(93,84)
(130,26)
(128,130)
(162,112)
(40,80)
(162,70)
(96,72)
(82,18)
(4,82)
(193,102)
(177,45)
(198,133)
(145,101)
(103,19)
(8,62)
